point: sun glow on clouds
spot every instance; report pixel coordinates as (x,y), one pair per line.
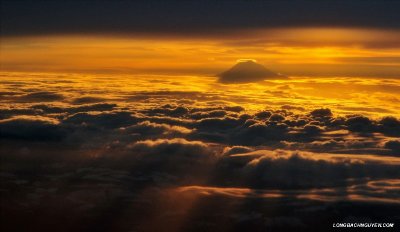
(176,146)
(174,116)
(142,125)
(245,60)
(368,96)
(372,97)
(307,51)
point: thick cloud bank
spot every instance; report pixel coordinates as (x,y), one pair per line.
(195,163)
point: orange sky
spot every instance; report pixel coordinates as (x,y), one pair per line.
(293,51)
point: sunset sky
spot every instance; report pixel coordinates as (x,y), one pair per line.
(295,51)
(198,115)
(202,37)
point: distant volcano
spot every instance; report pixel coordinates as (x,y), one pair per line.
(247,71)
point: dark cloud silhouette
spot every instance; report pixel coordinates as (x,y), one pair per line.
(289,107)
(83,108)
(177,95)
(321,113)
(218,124)
(123,159)
(128,159)
(41,97)
(148,129)
(263,115)
(236,150)
(259,134)
(276,118)
(164,147)
(312,130)
(390,126)
(31,128)
(102,120)
(86,100)
(290,169)
(359,124)
(393,145)
(315,131)
(168,111)
(7,113)
(174,156)
(236,109)
(209,114)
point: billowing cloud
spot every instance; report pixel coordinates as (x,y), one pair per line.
(173,155)
(46,109)
(100,120)
(147,129)
(179,147)
(236,150)
(41,97)
(393,145)
(389,126)
(321,113)
(291,169)
(88,99)
(31,128)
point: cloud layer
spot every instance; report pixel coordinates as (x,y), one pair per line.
(89,160)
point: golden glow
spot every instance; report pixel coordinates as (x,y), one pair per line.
(350,193)
(231,192)
(192,63)
(245,60)
(307,51)
(374,97)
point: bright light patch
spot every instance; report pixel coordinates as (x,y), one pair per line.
(246,60)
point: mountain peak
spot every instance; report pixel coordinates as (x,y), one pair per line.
(247,71)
